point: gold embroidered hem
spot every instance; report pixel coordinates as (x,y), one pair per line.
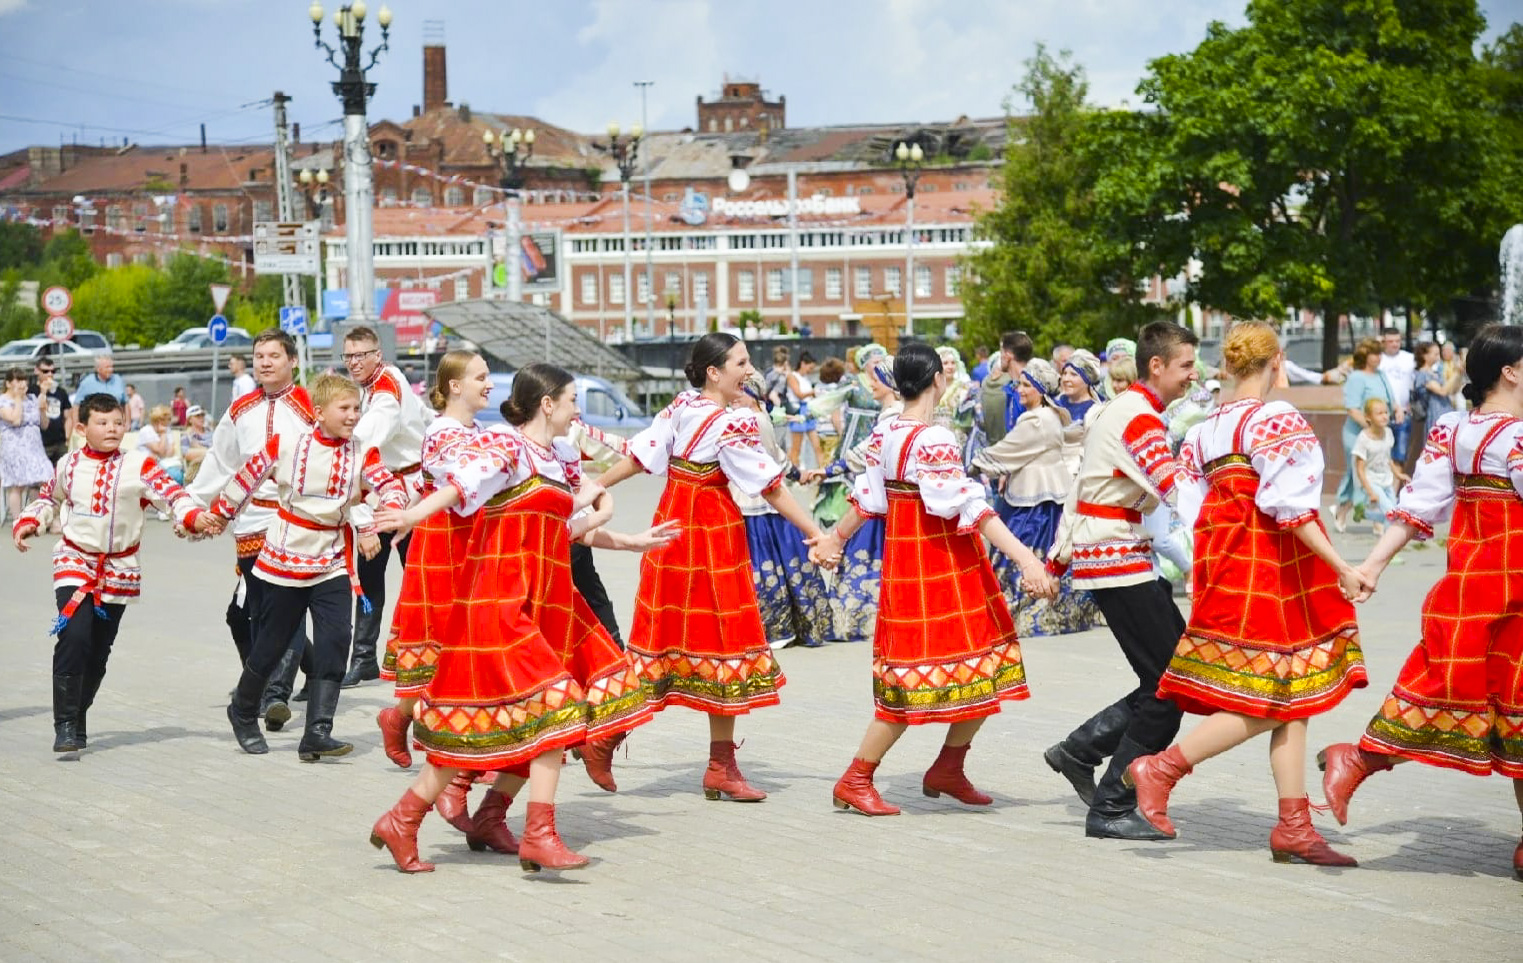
(1481,742)
(503,734)
(966,688)
(709,684)
(1209,675)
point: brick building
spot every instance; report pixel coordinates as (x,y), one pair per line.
(741,105)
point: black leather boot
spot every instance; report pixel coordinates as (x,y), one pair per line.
(86,700)
(274,708)
(1076,757)
(317,741)
(67,690)
(243,713)
(1113,814)
(362,665)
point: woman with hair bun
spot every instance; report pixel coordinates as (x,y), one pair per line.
(945,649)
(698,639)
(1458,701)
(1271,639)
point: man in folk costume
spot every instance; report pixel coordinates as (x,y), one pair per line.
(101,492)
(392,422)
(307,561)
(278,406)
(1127,471)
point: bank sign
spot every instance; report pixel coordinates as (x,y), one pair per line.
(779,207)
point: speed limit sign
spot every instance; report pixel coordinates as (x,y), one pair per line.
(57,300)
(60,327)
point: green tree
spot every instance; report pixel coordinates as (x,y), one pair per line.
(1050,271)
(122,302)
(16,319)
(20,245)
(186,300)
(66,261)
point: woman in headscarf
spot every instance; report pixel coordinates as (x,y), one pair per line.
(1117,349)
(1077,394)
(954,409)
(1036,482)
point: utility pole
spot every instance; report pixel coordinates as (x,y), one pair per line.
(793,243)
(650,274)
(285,200)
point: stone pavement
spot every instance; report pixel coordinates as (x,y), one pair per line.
(163,841)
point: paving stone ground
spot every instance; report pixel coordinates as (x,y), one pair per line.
(164,842)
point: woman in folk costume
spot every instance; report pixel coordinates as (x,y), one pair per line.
(698,639)
(1271,639)
(791,593)
(954,409)
(854,593)
(1036,481)
(1458,702)
(945,649)
(1077,395)
(527,671)
(857,402)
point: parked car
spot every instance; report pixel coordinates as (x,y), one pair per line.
(603,403)
(28,350)
(195,339)
(91,340)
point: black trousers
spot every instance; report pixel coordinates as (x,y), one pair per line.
(372,573)
(84,644)
(242,622)
(282,608)
(1147,625)
(587,581)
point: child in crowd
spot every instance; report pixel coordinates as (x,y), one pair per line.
(1372,462)
(101,492)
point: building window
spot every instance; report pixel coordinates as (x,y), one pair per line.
(669,243)
(481,195)
(891,280)
(673,283)
(60,215)
(738,242)
(193,219)
(325,215)
(584,245)
(115,219)
(700,286)
(613,244)
(263,211)
(615,289)
(642,288)
(745,285)
(775,284)
(804,280)
(219,218)
(954,280)
(833,284)
(114,259)
(422,197)
(864,190)
(671,197)
(388,196)
(589,288)
(142,257)
(454,196)
(864,283)
(922,281)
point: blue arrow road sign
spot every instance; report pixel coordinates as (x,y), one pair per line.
(293,319)
(217,328)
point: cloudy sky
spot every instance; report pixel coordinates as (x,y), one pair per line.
(153,70)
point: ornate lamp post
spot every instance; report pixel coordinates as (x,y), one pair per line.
(511,151)
(623,153)
(353,90)
(314,189)
(910,160)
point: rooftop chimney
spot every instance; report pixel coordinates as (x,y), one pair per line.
(435,78)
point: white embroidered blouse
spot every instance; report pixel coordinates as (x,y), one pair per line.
(926,456)
(501,457)
(1279,445)
(1459,443)
(696,429)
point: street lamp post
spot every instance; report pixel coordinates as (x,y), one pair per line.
(511,151)
(910,160)
(623,154)
(353,90)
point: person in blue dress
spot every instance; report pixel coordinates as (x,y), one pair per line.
(855,592)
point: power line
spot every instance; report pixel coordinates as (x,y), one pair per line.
(96,92)
(115,78)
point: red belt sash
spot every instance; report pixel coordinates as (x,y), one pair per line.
(1113,512)
(91,588)
(350,565)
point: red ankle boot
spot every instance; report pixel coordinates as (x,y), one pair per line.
(541,847)
(1344,766)
(597,756)
(855,790)
(946,776)
(397,830)
(1154,777)
(453,802)
(489,828)
(394,735)
(1294,835)
(723,776)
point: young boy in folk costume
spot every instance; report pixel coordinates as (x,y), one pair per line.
(101,490)
(308,561)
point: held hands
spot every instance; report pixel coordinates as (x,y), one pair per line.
(825,549)
(209,524)
(370,545)
(1037,582)
(21,534)
(1356,583)
(811,476)
(660,535)
(395,519)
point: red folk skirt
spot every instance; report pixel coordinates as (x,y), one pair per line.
(1458,702)
(527,667)
(697,639)
(435,557)
(1270,634)
(944,649)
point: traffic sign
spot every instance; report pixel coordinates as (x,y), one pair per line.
(217,328)
(57,300)
(59,327)
(293,319)
(219,295)
(286,247)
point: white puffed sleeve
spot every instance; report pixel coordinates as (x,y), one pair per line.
(1284,452)
(936,465)
(741,456)
(867,490)
(652,448)
(1191,479)
(485,467)
(1428,499)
